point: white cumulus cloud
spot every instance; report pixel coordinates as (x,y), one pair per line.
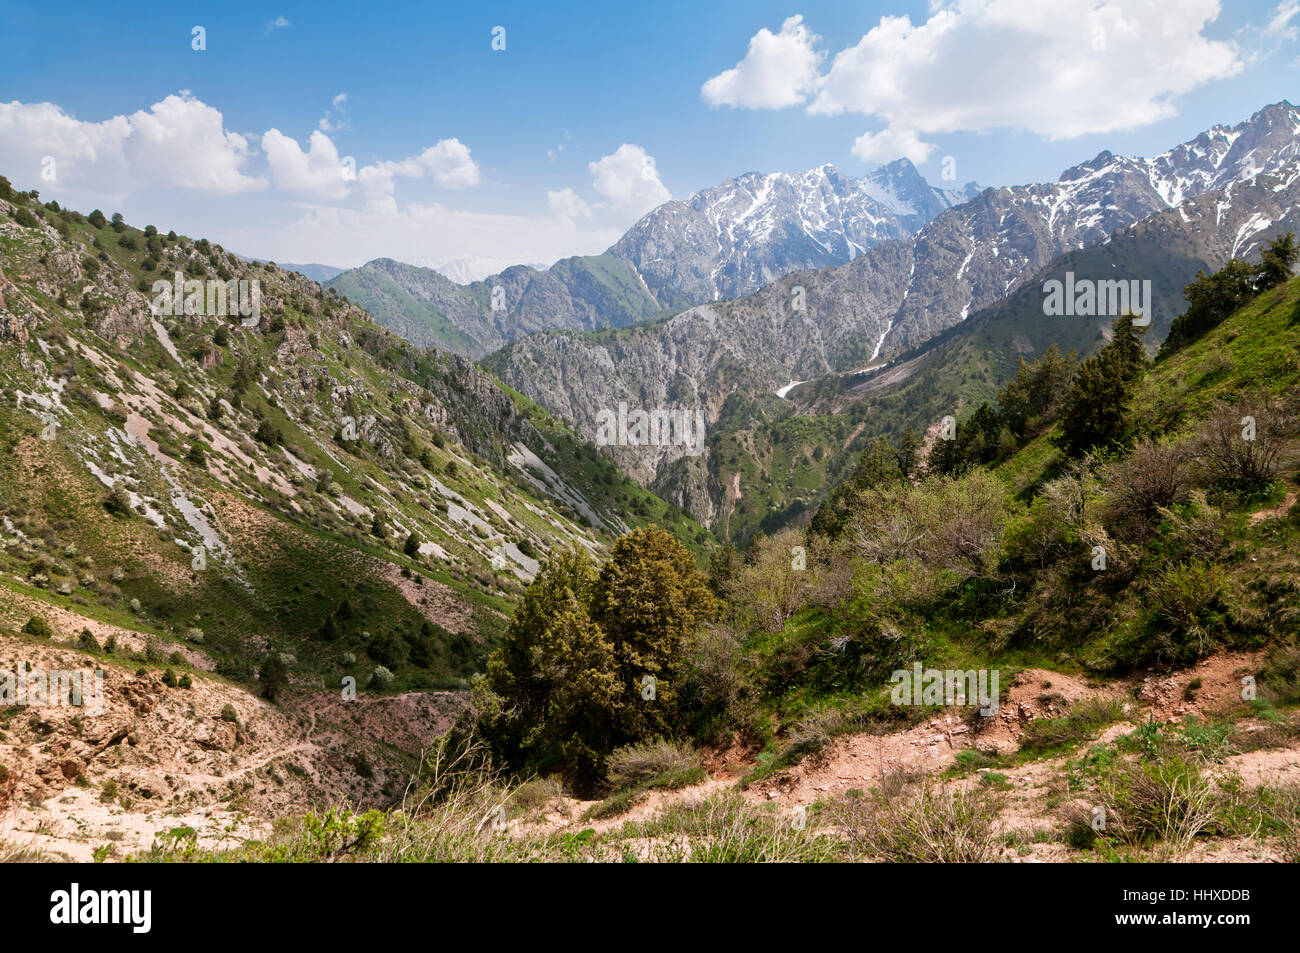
(179,142)
(779,69)
(628,179)
(891,143)
(318,172)
(448,162)
(567,206)
(1061,69)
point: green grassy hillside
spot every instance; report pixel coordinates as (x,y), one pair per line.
(309,484)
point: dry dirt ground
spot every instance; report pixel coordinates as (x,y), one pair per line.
(160,758)
(436,602)
(212,757)
(862,761)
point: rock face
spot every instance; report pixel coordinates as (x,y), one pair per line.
(1224,194)
(731,240)
(13,327)
(154,758)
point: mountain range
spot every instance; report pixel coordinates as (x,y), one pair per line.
(721,242)
(288,541)
(1222,194)
(732,239)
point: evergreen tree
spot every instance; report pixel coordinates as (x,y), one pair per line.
(724,565)
(582,709)
(946,456)
(330,630)
(423,646)
(267,434)
(516,671)
(648,598)
(1033,396)
(274,677)
(1126,345)
(1277,261)
(877,466)
(573,667)
(1210,300)
(1095,408)
(909,451)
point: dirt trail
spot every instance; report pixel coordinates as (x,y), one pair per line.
(1275,512)
(861,761)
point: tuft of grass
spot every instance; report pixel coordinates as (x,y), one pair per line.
(921,823)
(635,769)
(659,764)
(1049,734)
(1170,801)
(725,828)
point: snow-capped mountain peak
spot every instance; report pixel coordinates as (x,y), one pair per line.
(735,237)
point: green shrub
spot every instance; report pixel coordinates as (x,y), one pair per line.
(274,676)
(1185,593)
(118,502)
(38,627)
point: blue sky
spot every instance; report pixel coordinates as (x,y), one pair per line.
(591,114)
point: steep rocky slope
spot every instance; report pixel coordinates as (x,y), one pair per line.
(291,481)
